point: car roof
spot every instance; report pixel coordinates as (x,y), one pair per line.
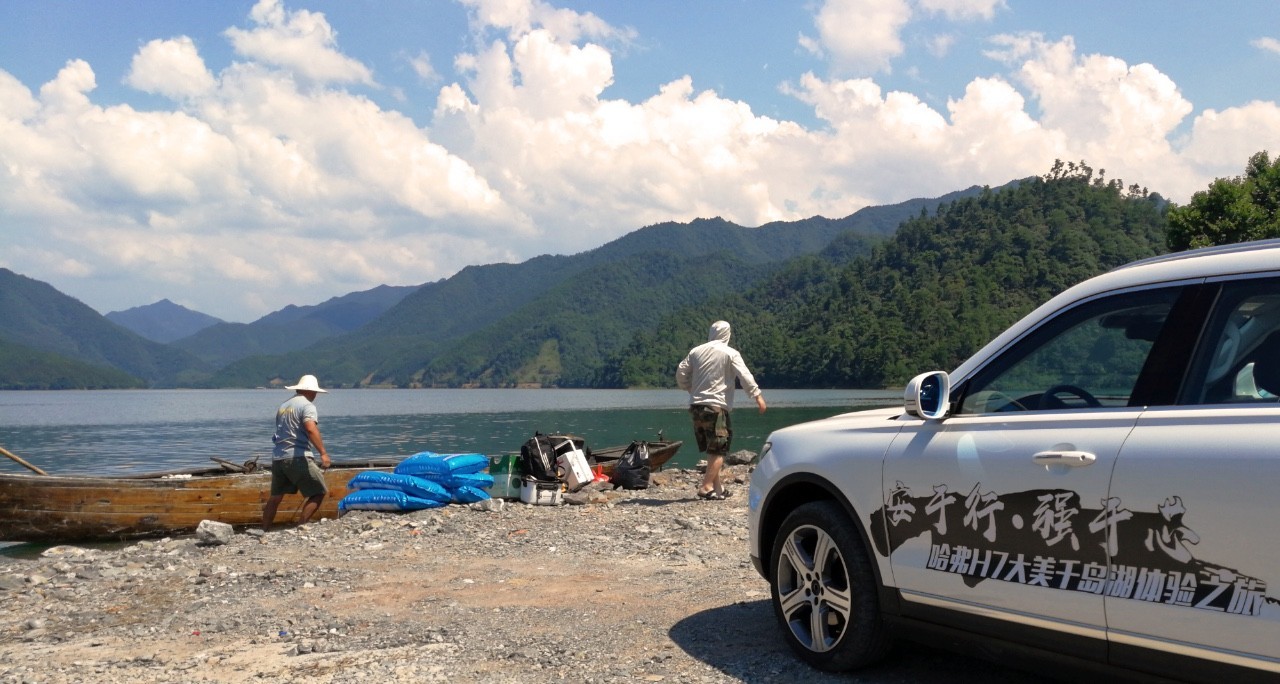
(1235,248)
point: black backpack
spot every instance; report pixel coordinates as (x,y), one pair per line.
(632,471)
(538,458)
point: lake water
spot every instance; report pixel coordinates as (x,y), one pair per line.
(129,431)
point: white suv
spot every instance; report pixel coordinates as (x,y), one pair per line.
(1101,482)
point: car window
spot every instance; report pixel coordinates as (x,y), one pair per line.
(1086,357)
(1240,361)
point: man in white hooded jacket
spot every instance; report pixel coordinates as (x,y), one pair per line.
(709,373)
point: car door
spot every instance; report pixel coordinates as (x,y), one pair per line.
(999,515)
(1197,568)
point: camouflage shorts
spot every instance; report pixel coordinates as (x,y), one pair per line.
(712,429)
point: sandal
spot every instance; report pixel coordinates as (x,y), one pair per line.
(712,495)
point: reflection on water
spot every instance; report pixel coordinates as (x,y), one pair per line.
(139,431)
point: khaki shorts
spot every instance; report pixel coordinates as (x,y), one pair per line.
(297,474)
(712,428)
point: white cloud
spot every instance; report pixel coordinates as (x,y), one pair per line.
(1267,44)
(533,121)
(519,17)
(300,41)
(864,36)
(940,45)
(421,64)
(1221,142)
(1116,116)
(170,67)
(859,36)
(16,100)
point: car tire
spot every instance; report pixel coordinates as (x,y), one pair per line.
(824,589)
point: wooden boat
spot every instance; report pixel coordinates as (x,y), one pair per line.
(58,509)
(68,508)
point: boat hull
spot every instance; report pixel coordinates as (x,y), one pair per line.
(59,509)
(659,454)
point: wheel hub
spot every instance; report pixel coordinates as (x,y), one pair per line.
(815,590)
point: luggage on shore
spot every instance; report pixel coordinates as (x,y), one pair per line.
(538,458)
(540,493)
(571,463)
(632,471)
(507,476)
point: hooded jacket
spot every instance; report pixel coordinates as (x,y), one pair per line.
(710,371)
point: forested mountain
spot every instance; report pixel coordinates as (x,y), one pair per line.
(24,368)
(554,319)
(926,299)
(478,296)
(37,316)
(162,321)
(293,327)
(564,337)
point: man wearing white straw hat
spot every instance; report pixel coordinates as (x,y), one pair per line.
(292,468)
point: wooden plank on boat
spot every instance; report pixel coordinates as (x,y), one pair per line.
(61,508)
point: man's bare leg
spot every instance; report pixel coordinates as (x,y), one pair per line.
(711,479)
(309,508)
(269,511)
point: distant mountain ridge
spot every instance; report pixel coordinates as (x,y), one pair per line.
(293,327)
(162,321)
(39,317)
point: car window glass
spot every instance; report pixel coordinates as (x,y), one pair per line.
(1240,362)
(1088,357)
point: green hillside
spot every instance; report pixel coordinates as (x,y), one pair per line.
(291,328)
(564,337)
(24,368)
(37,316)
(926,299)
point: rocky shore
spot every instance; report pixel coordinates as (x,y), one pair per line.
(641,586)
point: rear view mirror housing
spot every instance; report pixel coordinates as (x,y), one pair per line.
(928,396)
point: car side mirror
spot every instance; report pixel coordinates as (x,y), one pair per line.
(928,395)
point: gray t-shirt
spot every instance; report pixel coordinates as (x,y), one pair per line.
(290,437)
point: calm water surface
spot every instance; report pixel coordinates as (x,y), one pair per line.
(145,430)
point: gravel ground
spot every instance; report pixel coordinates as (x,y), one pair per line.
(646,586)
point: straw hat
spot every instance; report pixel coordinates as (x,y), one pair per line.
(307,383)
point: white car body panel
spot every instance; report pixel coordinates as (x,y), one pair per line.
(1212,473)
(995,523)
(835,449)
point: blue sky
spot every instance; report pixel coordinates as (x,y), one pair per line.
(236,157)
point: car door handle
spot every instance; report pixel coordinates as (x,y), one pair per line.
(1071,459)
